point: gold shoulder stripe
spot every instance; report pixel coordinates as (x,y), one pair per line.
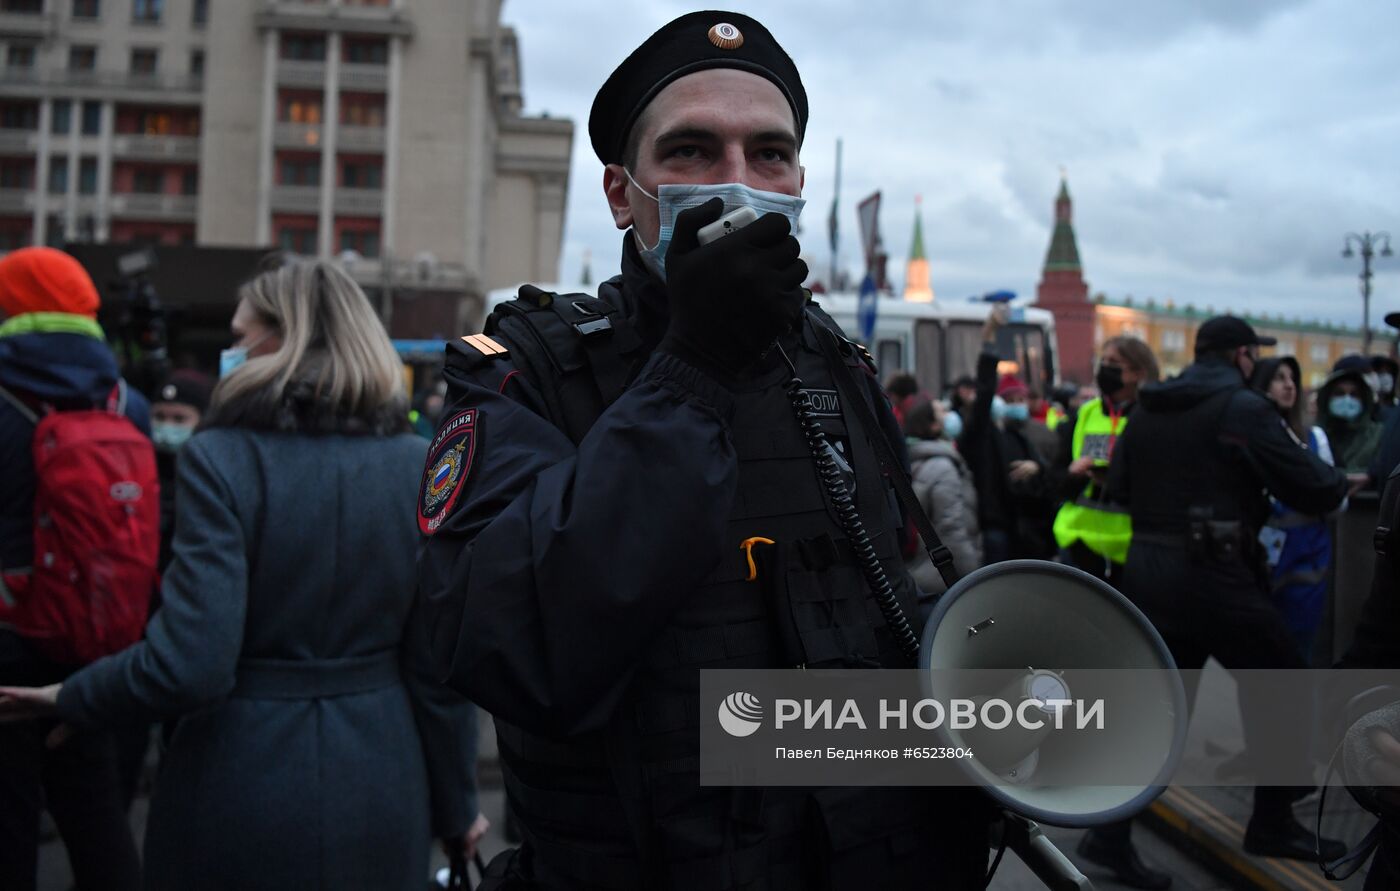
(483,344)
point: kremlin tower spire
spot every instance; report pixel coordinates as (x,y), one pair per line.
(1064,292)
(916,282)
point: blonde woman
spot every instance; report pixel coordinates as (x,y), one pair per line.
(299,754)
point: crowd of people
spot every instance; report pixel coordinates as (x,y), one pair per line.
(1111,483)
(301,722)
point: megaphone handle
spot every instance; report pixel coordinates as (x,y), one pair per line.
(1042,857)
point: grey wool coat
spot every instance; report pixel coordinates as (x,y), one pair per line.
(308,747)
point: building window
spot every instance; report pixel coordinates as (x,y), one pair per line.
(297,239)
(1285,348)
(86,9)
(19,116)
(1320,353)
(87,176)
(201,13)
(144,61)
(147,11)
(148,180)
(364,243)
(62,116)
(304,47)
(1173,341)
(366,52)
(139,121)
(58,175)
(362,175)
(92,118)
(55,236)
(360,110)
(16,174)
(28,6)
(20,56)
(82,58)
(197,63)
(299,171)
(301,109)
(189,182)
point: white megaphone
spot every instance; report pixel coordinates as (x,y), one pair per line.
(1032,625)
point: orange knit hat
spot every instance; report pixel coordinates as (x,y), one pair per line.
(43,279)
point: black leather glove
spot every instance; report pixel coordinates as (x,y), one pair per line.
(731,298)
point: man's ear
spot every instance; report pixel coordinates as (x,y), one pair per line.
(615,190)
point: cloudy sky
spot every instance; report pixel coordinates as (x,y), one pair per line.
(1217,150)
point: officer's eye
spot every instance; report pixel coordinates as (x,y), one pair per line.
(686,152)
(774,155)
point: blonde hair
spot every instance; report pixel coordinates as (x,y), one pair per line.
(333,345)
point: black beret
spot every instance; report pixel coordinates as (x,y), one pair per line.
(187,388)
(694,42)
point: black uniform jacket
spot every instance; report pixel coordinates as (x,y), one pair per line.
(1203,439)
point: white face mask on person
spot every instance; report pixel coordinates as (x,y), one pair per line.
(673,198)
(1348,408)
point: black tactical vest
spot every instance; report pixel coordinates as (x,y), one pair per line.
(624,808)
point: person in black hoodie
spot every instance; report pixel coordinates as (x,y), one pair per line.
(1194,467)
(52,352)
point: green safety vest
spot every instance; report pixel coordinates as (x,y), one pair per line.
(1104,529)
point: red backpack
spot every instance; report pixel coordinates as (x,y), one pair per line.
(96,533)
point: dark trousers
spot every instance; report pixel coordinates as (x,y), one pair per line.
(1205,608)
(77,783)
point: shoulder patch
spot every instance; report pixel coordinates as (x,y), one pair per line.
(484,345)
(449,463)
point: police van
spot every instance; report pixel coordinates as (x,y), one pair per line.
(939,342)
(935,342)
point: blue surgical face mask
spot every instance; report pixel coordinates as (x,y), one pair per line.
(1019,412)
(952,425)
(230,359)
(998,408)
(1348,408)
(233,357)
(677,197)
(170,436)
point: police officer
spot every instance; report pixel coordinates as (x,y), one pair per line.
(605,466)
(1196,465)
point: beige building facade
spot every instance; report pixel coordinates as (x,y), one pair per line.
(385,133)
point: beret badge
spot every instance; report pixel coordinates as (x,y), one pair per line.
(726,36)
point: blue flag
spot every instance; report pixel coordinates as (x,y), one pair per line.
(866,306)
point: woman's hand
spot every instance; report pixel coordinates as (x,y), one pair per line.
(1023,470)
(995,320)
(1081,466)
(32,703)
(28,703)
(465,845)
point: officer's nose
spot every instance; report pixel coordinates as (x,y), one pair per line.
(733,166)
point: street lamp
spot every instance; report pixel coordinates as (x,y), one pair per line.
(1367,242)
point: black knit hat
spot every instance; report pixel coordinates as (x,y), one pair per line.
(694,42)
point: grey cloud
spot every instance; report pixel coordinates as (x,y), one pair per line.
(1216,151)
